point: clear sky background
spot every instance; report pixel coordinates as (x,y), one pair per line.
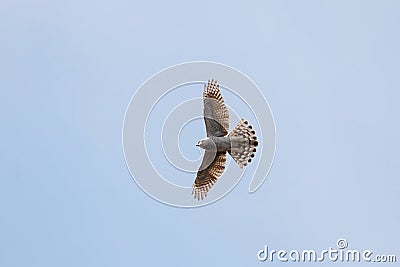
(329,69)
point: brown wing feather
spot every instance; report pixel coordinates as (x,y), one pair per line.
(208,175)
(216,115)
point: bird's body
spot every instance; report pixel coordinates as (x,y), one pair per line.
(215,143)
(240,143)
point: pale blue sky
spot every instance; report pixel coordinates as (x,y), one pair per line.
(329,69)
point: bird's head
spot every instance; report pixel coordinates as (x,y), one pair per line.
(200,143)
(206,144)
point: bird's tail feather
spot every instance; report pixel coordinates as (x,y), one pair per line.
(243,143)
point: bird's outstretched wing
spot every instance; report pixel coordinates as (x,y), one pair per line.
(216,115)
(212,167)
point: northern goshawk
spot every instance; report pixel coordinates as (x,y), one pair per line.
(240,143)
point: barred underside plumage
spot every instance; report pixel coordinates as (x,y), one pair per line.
(207,176)
(216,115)
(243,142)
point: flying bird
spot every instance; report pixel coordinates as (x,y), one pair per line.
(240,143)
